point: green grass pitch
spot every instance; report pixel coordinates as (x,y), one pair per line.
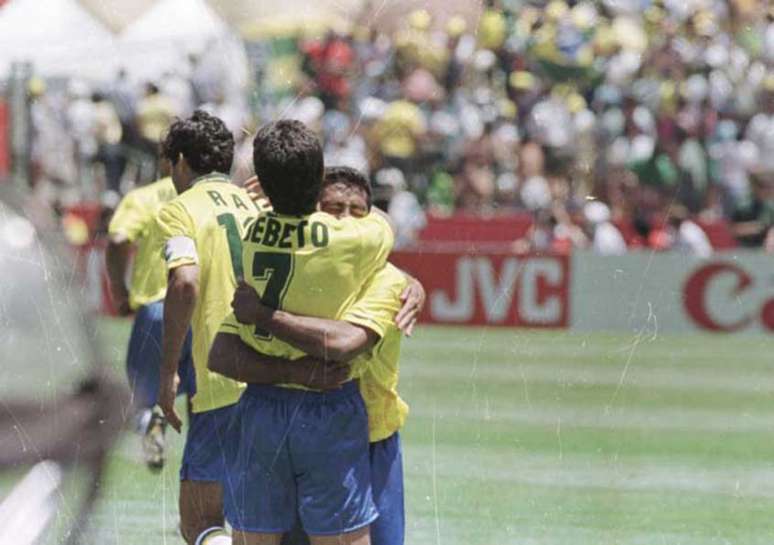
(556,438)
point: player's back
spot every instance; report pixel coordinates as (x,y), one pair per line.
(134,219)
(213,214)
(313,265)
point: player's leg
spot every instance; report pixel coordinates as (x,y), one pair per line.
(329,448)
(143,363)
(145,350)
(202,471)
(142,367)
(252,538)
(387,481)
(214,536)
(360,536)
(201,508)
(296,536)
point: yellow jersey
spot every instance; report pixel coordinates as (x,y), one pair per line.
(204,226)
(314,265)
(135,218)
(378,369)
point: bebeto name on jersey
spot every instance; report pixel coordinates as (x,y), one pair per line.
(274,232)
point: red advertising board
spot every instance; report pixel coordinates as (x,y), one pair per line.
(583,291)
(495,289)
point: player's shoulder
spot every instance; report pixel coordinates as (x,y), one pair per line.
(373,219)
(218,191)
(390,277)
(391,273)
(160,191)
(164,189)
(176,209)
(198,197)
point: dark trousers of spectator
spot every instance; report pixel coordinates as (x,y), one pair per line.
(113,157)
(150,160)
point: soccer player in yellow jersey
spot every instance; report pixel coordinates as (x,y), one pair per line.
(309,452)
(200,235)
(132,226)
(372,323)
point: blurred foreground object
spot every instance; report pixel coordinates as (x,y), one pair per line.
(59,409)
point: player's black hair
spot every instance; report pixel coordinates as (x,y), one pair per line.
(288,160)
(204,141)
(348,176)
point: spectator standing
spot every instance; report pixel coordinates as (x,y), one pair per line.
(686,236)
(108,133)
(753,219)
(155,112)
(760,130)
(403,206)
(605,237)
(399,133)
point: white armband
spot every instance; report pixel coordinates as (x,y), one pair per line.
(180,248)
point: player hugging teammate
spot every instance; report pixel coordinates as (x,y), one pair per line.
(309,448)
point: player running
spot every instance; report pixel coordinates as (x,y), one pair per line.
(200,232)
(310,448)
(345,193)
(132,227)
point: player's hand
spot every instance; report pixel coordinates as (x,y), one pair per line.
(123,308)
(247,305)
(413,299)
(167,394)
(317,374)
(121,300)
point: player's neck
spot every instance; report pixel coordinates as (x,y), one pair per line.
(209,177)
(286,214)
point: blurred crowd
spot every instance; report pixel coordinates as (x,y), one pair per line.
(97,141)
(613,123)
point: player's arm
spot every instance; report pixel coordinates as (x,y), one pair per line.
(127,222)
(177,234)
(232,358)
(179,304)
(117,262)
(329,340)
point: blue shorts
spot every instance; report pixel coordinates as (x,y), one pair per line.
(208,445)
(143,359)
(387,481)
(302,454)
